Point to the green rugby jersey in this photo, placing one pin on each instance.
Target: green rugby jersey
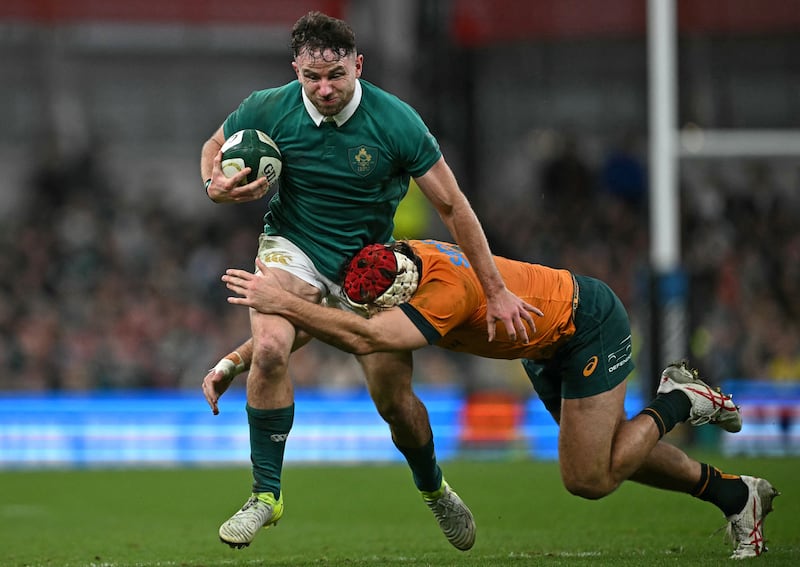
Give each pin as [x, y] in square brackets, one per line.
[339, 186]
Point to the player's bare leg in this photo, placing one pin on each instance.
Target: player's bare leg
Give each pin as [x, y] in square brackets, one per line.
[389, 382]
[598, 452]
[669, 468]
[598, 447]
[388, 378]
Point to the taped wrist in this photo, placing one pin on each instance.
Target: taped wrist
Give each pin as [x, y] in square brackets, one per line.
[231, 366]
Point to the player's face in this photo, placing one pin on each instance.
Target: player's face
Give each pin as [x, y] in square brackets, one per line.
[328, 79]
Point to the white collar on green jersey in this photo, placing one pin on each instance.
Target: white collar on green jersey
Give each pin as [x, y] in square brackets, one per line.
[340, 118]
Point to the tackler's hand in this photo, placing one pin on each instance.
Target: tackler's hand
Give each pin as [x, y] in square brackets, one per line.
[262, 291]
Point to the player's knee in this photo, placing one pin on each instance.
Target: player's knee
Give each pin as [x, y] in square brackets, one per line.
[591, 487]
[398, 408]
[389, 410]
[270, 359]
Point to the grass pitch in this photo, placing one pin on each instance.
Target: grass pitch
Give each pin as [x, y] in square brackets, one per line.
[371, 516]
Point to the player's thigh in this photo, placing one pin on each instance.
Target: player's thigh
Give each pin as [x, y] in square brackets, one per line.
[274, 337]
[587, 430]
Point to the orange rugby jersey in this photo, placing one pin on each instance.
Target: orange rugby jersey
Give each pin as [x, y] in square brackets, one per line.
[449, 307]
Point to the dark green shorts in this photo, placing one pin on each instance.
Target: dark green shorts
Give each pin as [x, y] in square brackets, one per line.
[597, 357]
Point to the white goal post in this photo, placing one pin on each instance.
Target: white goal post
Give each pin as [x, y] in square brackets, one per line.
[668, 145]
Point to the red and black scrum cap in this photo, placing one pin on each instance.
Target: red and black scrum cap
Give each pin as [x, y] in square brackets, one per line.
[380, 275]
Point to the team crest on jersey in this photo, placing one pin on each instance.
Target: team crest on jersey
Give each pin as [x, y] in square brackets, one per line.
[363, 159]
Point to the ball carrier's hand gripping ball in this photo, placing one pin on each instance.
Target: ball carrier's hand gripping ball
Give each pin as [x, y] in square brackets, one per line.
[253, 149]
[382, 275]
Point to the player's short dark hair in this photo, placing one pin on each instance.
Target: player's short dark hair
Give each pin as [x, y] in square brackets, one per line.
[318, 32]
[404, 247]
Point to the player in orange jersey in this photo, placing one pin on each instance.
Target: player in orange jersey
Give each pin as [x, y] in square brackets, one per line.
[425, 293]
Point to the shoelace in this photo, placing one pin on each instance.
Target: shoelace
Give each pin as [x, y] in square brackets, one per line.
[250, 503]
[444, 508]
[731, 534]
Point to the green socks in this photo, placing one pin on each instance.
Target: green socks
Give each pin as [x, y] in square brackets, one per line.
[669, 409]
[424, 468]
[268, 432]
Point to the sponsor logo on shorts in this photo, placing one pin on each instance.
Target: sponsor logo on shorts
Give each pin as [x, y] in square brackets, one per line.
[621, 356]
[278, 437]
[276, 258]
[589, 369]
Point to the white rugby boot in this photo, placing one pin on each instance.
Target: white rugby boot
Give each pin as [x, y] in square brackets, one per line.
[708, 405]
[746, 529]
[453, 516]
[260, 511]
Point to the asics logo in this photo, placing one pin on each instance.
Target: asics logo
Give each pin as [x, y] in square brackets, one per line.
[590, 366]
[278, 437]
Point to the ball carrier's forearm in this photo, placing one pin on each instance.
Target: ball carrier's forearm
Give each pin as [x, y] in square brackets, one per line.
[208, 153]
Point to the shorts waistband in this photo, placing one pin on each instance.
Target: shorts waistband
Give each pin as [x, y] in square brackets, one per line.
[575, 294]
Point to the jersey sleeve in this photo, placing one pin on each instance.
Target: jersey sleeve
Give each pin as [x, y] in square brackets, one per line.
[242, 117]
[438, 307]
[425, 149]
[414, 145]
[262, 110]
[426, 155]
[428, 331]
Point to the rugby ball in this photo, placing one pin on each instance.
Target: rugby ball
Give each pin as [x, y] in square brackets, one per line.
[254, 149]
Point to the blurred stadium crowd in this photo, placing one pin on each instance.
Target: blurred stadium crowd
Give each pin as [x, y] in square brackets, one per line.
[740, 248]
[109, 275]
[103, 290]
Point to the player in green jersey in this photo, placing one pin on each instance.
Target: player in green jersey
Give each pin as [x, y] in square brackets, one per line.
[349, 151]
